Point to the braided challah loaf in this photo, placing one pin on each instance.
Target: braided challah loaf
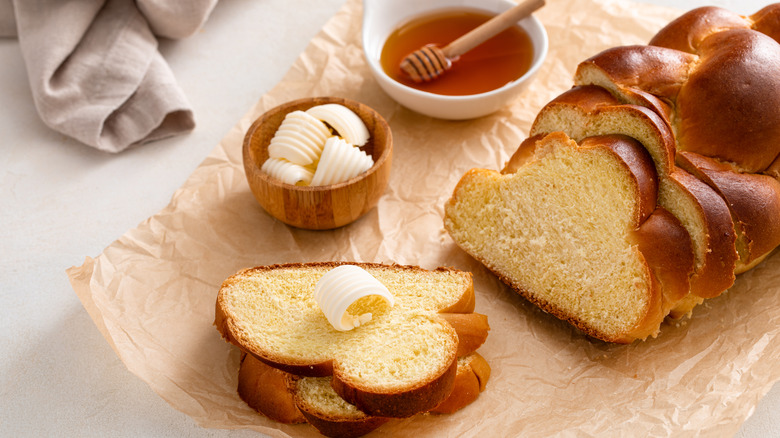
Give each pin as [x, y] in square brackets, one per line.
[703, 99]
[718, 73]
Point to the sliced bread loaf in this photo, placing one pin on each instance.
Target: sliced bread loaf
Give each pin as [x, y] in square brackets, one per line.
[586, 111]
[704, 100]
[564, 228]
[401, 362]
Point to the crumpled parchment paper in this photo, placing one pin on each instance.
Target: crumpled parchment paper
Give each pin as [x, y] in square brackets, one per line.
[152, 292]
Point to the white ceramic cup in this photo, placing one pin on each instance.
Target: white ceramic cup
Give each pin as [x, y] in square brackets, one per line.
[382, 17]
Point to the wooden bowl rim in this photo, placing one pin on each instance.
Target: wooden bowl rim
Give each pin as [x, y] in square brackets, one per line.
[286, 107]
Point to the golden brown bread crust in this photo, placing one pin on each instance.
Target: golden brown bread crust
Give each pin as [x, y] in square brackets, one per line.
[480, 367]
[655, 70]
[716, 273]
[264, 388]
[402, 404]
[343, 428]
[734, 55]
[729, 108]
[767, 21]
[472, 330]
[718, 72]
[466, 303]
[469, 382]
[523, 154]
[754, 201]
[686, 32]
[666, 246]
[272, 393]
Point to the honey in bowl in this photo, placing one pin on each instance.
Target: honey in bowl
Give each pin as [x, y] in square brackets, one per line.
[489, 66]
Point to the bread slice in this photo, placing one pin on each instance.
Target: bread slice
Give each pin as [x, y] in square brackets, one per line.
[292, 399]
[565, 229]
[400, 363]
[330, 414]
[754, 202]
[586, 111]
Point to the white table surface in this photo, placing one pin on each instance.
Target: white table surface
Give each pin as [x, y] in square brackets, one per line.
[61, 201]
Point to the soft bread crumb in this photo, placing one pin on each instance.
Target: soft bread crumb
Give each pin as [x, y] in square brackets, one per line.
[317, 394]
[273, 310]
[557, 229]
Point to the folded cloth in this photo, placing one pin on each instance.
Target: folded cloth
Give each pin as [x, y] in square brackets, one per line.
[94, 68]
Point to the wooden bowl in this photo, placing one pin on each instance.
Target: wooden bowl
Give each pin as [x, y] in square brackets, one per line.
[318, 207]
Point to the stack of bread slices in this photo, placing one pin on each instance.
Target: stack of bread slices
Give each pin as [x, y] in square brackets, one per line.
[416, 356]
[644, 189]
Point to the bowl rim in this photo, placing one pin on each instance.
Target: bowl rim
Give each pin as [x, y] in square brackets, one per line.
[254, 127]
[539, 58]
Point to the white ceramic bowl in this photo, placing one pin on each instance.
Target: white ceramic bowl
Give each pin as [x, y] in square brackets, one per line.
[381, 17]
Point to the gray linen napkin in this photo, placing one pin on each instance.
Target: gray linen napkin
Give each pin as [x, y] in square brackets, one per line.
[94, 69]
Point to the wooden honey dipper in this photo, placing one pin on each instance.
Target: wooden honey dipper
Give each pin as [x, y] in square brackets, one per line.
[430, 62]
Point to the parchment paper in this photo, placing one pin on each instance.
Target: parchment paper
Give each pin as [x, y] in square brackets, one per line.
[152, 292]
